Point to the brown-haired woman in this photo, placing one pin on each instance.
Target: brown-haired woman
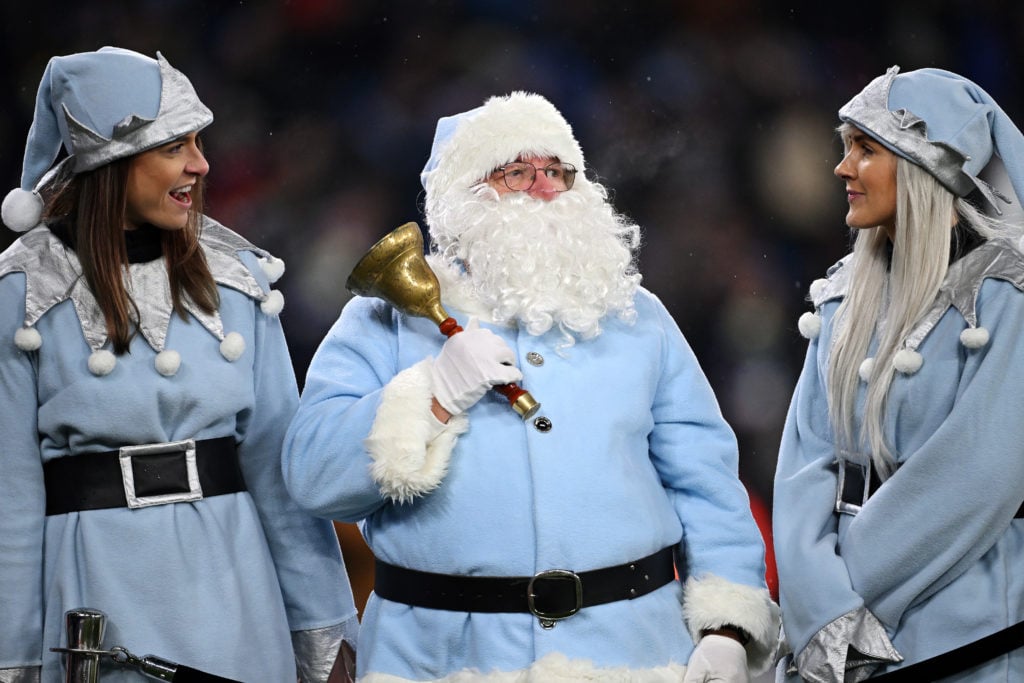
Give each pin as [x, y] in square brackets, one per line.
[147, 387]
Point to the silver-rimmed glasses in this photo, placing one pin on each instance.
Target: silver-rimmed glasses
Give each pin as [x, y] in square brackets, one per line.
[520, 175]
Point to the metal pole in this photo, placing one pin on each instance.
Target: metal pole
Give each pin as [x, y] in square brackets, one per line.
[84, 628]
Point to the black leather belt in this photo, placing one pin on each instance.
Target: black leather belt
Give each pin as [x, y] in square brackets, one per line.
[550, 595]
[852, 492]
[144, 475]
[962, 658]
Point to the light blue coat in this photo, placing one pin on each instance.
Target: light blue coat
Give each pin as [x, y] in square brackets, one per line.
[935, 555]
[218, 584]
[638, 458]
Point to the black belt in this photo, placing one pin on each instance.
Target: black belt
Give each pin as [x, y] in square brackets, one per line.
[962, 658]
[854, 493]
[141, 476]
[550, 595]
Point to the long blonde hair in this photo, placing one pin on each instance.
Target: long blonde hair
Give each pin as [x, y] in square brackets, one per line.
[887, 297]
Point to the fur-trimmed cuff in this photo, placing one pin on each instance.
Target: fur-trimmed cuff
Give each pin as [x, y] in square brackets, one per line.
[711, 601]
[409, 447]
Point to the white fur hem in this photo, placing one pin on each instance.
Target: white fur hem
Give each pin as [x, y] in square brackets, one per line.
[554, 668]
[711, 601]
[409, 447]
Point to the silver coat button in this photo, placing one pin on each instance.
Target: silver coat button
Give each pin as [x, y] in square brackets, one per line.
[534, 358]
[542, 424]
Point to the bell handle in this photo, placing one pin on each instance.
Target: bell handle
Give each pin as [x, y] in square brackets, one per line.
[520, 399]
[450, 327]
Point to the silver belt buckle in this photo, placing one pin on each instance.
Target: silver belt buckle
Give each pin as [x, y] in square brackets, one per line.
[187, 446]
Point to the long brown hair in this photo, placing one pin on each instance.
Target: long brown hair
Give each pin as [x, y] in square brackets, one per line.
[93, 205]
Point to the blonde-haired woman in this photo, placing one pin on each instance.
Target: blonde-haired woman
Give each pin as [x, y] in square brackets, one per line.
[900, 479]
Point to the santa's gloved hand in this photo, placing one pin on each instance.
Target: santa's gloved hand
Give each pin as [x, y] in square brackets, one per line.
[717, 659]
[470, 363]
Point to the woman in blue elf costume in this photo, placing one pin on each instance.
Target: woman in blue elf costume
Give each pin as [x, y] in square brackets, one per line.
[147, 387]
[897, 507]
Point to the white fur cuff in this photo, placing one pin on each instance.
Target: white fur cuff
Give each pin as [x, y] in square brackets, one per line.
[409, 447]
[711, 601]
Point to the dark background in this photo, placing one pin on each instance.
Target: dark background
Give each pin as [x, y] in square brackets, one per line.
[711, 122]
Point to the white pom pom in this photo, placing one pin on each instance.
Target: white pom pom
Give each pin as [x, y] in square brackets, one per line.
[167, 363]
[865, 369]
[817, 286]
[809, 325]
[272, 267]
[233, 346]
[102, 362]
[907, 361]
[21, 210]
[974, 337]
[274, 302]
[27, 339]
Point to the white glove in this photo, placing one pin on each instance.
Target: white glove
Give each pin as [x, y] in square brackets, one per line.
[717, 659]
[470, 363]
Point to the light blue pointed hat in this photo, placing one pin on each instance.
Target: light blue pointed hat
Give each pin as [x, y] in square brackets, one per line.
[944, 123]
[100, 106]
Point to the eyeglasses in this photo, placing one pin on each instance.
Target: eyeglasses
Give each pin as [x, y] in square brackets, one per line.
[520, 176]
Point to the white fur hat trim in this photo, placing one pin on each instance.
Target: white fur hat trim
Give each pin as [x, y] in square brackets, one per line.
[273, 304]
[974, 337]
[21, 209]
[865, 369]
[233, 346]
[167, 363]
[28, 339]
[272, 266]
[809, 325]
[470, 145]
[102, 362]
[907, 361]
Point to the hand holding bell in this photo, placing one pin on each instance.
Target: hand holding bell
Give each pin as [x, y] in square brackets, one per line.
[469, 364]
[394, 269]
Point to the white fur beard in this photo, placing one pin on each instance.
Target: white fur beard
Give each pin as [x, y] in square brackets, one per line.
[568, 262]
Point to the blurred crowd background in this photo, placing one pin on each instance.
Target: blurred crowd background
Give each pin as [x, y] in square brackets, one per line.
[712, 122]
